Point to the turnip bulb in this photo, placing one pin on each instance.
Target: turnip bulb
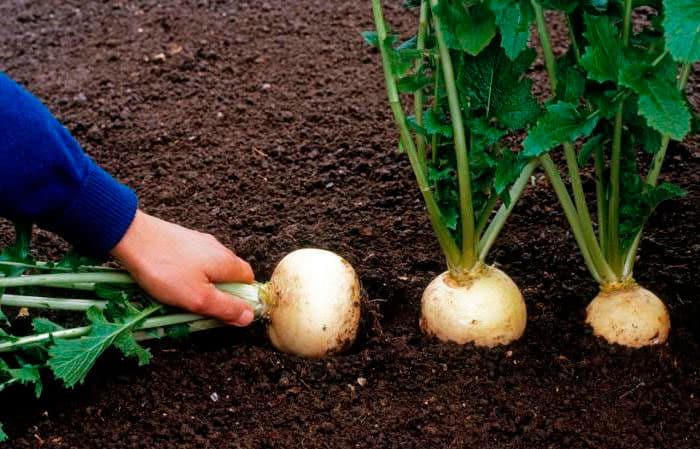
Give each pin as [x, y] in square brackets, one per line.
[485, 307]
[629, 315]
[312, 303]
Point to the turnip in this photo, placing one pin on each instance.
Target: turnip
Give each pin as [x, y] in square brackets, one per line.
[311, 305]
[470, 97]
[610, 92]
[486, 308]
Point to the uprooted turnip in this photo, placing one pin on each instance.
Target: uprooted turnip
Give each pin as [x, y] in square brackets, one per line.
[311, 308]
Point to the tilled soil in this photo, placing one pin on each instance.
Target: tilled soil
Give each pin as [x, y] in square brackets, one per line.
[265, 123]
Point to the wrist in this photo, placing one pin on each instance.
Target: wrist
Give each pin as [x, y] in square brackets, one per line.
[129, 248]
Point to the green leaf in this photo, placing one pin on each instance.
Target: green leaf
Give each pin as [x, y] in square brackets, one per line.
[561, 123]
[73, 260]
[660, 102]
[465, 28]
[371, 38]
[604, 51]
[495, 85]
[402, 58]
[560, 5]
[18, 252]
[639, 202]
[26, 374]
[72, 360]
[3, 435]
[433, 124]
[513, 18]
[508, 170]
[44, 325]
[587, 149]
[682, 29]
[571, 86]
[410, 4]
[128, 345]
[413, 83]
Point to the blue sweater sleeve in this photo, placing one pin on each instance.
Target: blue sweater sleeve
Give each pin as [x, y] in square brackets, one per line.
[46, 178]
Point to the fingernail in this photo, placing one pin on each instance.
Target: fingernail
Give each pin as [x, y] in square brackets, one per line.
[246, 318]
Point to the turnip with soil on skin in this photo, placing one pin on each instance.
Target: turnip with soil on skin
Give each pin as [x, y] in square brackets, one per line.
[470, 98]
[623, 91]
[311, 308]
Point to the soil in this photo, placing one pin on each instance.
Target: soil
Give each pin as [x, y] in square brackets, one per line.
[265, 123]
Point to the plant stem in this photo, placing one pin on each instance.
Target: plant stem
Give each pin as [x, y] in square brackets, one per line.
[195, 326]
[461, 152]
[584, 215]
[627, 22]
[436, 103]
[601, 200]
[249, 293]
[570, 212]
[572, 37]
[486, 214]
[447, 244]
[614, 196]
[546, 44]
[653, 177]
[489, 237]
[585, 225]
[418, 97]
[77, 332]
[40, 302]
[52, 267]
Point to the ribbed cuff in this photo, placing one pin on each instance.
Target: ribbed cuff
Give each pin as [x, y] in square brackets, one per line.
[99, 216]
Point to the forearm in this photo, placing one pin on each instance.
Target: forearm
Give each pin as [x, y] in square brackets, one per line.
[46, 178]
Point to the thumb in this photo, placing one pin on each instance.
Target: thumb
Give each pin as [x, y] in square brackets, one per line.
[227, 308]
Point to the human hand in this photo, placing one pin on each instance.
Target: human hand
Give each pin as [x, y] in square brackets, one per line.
[179, 267]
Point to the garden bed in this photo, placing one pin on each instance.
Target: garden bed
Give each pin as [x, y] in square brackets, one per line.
[266, 124]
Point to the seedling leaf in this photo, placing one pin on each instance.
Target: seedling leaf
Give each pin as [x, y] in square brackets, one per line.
[466, 28]
[561, 123]
[682, 29]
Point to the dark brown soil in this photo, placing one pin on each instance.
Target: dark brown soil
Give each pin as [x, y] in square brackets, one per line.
[265, 123]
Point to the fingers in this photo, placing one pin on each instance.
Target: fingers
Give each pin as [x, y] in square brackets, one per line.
[229, 268]
[224, 307]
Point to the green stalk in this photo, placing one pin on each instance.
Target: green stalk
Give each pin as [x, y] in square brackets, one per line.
[486, 214]
[40, 302]
[418, 97]
[489, 237]
[445, 240]
[436, 104]
[584, 214]
[653, 176]
[447, 244]
[546, 44]
[571, 214]
[77, 332]
[614, 197]
[584, 218]
[572, 37]
[463, 175]
[627, 23]
[249, 293]
[601, 200]
[46, 266]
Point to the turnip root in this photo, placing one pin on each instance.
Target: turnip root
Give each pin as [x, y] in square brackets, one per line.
[313, 303]
[485, 308]
[629, 315]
